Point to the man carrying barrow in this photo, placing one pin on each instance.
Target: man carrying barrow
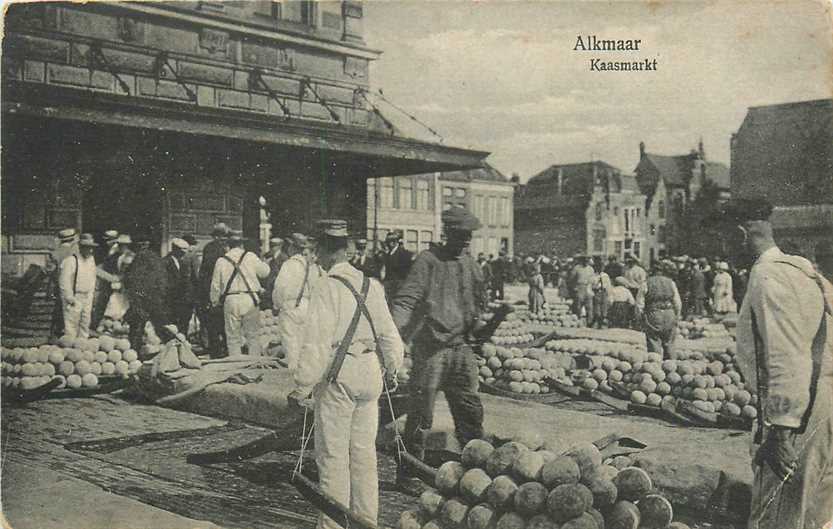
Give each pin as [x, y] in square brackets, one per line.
[444, 294]
[785, 350]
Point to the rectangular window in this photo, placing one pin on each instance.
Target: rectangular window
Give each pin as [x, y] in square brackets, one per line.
[447, 191]
[423, 195]
[411, 240]
[490, 211]
[627, 212]
[636, 248]
[617, 248]
[507, 215]
[661, 209]
[386, 195]
[406, 193]
[598, 241]
[661, 234]
[460, 192]
[425, 239]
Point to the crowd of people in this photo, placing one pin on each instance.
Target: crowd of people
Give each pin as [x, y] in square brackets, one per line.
[345, 334]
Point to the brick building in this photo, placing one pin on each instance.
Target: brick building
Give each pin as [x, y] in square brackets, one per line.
[671, 184]
[589, 207]
[784, 153]
[414, 204]
[159, 119]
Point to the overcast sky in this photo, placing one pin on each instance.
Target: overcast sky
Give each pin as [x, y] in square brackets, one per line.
[503, 77]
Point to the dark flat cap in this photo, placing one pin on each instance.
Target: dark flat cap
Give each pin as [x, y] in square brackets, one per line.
[747, 209]
[458, 218]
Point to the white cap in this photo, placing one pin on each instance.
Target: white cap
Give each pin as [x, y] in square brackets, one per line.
[180, 243]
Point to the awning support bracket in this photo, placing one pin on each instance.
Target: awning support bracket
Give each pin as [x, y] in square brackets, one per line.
[162, 61]
[97, 59]
[388, 124]
[257, 82]
[306, 84]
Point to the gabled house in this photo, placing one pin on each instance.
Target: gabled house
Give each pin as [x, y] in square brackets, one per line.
[670, 184]
[588, 207]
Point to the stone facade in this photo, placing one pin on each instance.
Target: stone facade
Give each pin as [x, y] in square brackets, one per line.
[414, 205]
[589, 208]
[197, 108]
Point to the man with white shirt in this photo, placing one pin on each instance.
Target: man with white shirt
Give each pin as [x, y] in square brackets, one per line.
[349, 347]
[179, 295]
[77, 283]
[291, 293]
[785, 351]
[236, 287]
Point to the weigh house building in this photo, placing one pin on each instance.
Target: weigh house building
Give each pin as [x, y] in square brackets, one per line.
[162, 118]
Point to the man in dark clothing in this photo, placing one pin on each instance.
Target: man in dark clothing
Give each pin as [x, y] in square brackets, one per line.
[178, 285]
[500, 272]
[145, 284]
[697, 291]
[445, 292]
[212, 321]
[614, 268]
[396, 262]
[275, 258]
[364, 260]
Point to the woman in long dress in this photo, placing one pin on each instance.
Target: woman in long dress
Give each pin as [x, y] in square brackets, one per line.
[723, 300]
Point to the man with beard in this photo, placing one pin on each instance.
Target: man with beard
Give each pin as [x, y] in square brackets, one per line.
[785, 350]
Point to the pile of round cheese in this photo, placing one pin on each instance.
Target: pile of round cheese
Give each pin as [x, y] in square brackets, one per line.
[269, 336]
[76, 362]
[515, 486]
[552, 315]
[512, 331]
[701, 328]
[522, 370]
[115, 328]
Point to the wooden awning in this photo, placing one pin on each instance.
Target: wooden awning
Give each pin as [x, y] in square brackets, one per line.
[370, 153]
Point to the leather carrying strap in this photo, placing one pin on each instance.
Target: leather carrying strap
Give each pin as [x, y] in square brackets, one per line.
[234, 275]
[341, 351]
[303, 285]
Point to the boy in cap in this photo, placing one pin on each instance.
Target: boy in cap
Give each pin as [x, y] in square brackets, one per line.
[785, 351]
[77, 282]
[446, 294]
[212, 321]
[347, 309]
[236, 288]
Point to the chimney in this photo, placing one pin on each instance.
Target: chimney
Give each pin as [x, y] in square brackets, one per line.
[641, 150]
[700, 149]
[516, 179]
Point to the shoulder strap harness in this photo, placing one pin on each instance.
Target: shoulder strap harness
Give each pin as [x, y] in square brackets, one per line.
[234, 275]
[361, 309]
[303, 285]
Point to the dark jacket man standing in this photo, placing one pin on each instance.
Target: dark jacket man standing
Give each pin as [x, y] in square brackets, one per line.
[212, 321]
[446, 294]
[179, 285]
[396, 262]
[145, 284]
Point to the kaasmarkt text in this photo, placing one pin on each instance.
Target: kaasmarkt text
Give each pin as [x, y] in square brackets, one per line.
[645, 65]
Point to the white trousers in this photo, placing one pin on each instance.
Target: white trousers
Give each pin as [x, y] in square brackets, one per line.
[346, 422]
[242, 321]
[291, 322]
[77, 316]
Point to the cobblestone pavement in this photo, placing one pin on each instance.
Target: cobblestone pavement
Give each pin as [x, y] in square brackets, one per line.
[106, 463]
